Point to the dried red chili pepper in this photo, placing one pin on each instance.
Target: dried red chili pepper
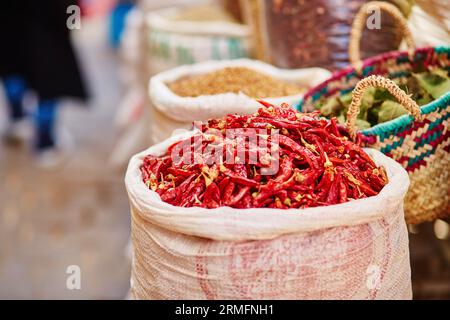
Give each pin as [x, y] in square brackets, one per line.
[237, 178]
[307, 155]
[211, 197]
[236, 198]
[333, 192]
[179, 172]
[318, 164]
[222, 185]
[227, 192]
[193, 197]
[246, 202]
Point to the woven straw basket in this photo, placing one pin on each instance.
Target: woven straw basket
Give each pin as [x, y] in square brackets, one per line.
[419, 141]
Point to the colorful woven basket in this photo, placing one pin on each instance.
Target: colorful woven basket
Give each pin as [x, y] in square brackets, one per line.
[419, 141]
[421, 146]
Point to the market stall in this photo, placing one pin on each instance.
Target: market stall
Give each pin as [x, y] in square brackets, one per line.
[281, 180]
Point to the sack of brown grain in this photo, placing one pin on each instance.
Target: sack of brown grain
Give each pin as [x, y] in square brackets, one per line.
[354, 250]
[216, 88]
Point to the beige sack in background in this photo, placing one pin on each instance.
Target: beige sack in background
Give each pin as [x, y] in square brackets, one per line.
[355, 250]
[174, 42]
[427, 30]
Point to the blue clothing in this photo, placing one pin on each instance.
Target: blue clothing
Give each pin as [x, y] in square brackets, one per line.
[45, 124]
[117, 22]
[44, 117]
[15, 89]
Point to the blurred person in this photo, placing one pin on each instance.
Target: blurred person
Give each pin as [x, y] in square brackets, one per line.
[36, 55]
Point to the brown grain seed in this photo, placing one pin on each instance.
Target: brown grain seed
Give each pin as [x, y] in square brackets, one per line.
[234, 79]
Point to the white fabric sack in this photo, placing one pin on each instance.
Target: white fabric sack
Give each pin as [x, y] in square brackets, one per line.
[439, 10]
[173, 42]
[427, 30]
[131, 42]
[172, 111]
[354, 250]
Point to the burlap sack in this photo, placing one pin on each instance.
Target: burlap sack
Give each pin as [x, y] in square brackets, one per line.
[171, 111]
[355, 250]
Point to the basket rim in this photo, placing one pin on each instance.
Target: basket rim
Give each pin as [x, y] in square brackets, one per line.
[401, 121]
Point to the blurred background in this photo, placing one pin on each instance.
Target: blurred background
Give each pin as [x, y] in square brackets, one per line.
[74, 108]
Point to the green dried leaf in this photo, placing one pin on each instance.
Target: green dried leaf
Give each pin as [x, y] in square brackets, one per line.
[362, 124]
[330, 108]
[425, 99]
[346, 99]
[435, 83]
[378, 105]
[390, 110]
[372, 116]
[366, 103]
[381, 95]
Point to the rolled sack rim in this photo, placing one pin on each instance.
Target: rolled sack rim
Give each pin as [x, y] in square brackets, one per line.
[226, 223]
[204, 107]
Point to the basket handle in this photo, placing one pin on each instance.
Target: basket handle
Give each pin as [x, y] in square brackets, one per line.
[380, 82]
[359, 24]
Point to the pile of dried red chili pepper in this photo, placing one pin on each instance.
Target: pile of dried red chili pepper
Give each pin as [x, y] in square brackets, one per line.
[318, 164]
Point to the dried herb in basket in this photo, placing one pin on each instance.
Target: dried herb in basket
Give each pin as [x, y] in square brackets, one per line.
[379, 106]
